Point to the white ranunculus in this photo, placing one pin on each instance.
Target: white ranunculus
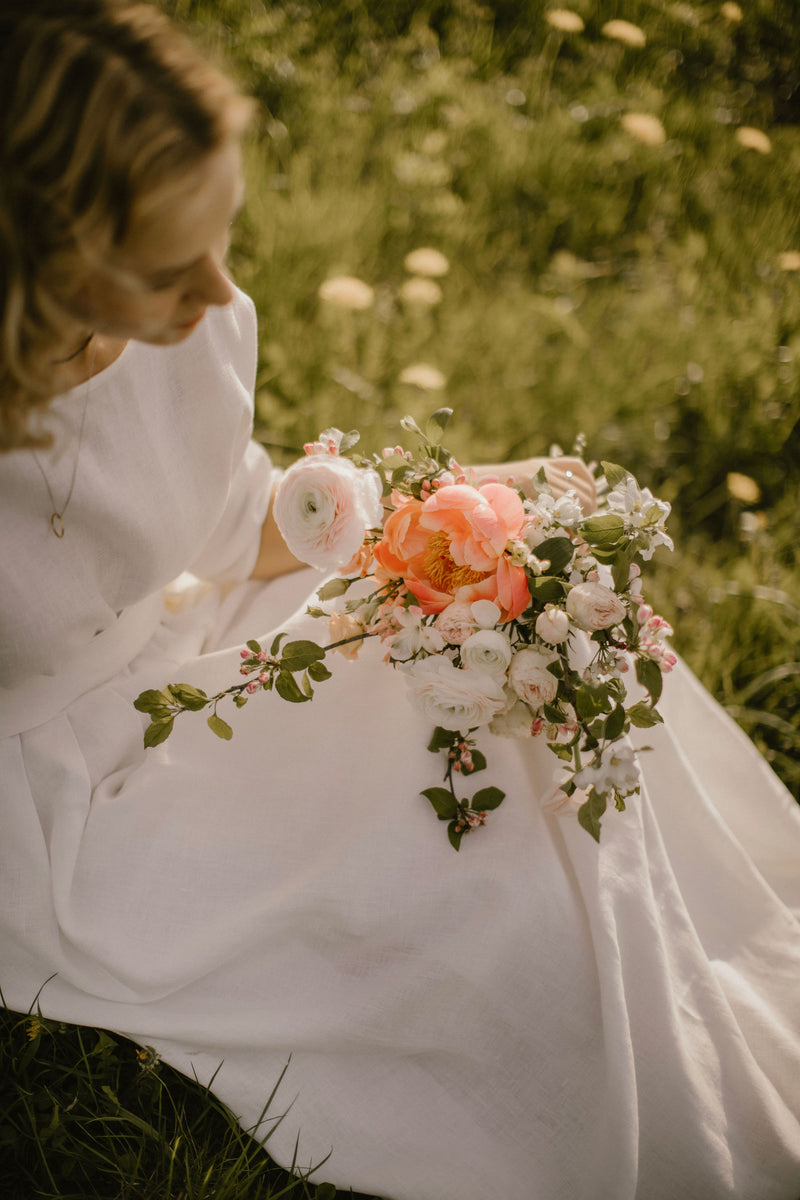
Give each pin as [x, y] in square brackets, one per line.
[455, 699]
[486, 613]
[552, 625]
[487, 650]
[324, 505]
[530, 678]
[594, 606]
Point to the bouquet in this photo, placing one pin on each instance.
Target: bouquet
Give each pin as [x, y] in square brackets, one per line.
[505, 609]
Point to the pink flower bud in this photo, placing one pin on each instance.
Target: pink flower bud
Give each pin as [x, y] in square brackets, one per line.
[263, 677]
[244, 654]
[244, 670]
[262, 656]
[252, 686]
[643, 614]
[537, 725]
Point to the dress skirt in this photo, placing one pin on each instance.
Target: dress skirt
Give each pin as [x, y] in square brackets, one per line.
[535, 1017]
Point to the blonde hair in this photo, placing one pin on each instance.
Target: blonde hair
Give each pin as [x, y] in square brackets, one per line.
[102, 102]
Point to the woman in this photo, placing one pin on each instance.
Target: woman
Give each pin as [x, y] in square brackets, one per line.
[534, 1017]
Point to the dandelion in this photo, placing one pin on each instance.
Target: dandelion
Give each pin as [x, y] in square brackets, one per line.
[345, 291]
[731, 12]
[625, 31]
[564, 20]
[743, 488]
[424, 376]
[753, 139]
[426, 261]
[645, 128]
[417, 290]
[789, 260]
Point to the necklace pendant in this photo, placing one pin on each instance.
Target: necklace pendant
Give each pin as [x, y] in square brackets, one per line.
[57, 525]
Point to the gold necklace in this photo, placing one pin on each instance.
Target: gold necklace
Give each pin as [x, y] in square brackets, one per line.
[57, 515]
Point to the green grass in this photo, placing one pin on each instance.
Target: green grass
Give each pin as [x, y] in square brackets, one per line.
[89, 1114]
[637, 293]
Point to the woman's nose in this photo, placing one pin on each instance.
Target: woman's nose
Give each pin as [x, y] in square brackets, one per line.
[210, 284]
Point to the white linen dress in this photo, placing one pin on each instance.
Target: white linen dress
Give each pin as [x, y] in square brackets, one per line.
[533, 1018]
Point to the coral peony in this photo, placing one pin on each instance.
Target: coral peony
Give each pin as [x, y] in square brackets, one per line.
[452, 547]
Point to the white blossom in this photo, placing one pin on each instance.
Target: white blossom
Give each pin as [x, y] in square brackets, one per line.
[617, 770]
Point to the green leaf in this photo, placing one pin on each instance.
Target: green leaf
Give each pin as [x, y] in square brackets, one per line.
[603, 532]
[478, 762]
[487, 798]
[276, 643]
[589, 703]
[299, 655]
[240, 701]
[349, 440]
[591, 811]
[254, 646]
[454, 835]
[437, 423]
[615, 723]
[288, 689]
[443, 801]
[621, 569]
[158, 732]
[544, 589]
[221, 728]
[305, 684]
[442, 739]
[644, 716]
[151, 699]
[333, 588]
[319, 672]
[559, 550]
[189, 697]
[649, 677]
[614, 473]
[562, 752]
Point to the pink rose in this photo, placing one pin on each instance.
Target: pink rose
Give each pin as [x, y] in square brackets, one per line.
[552, 625]
[456, 623]
[594, 606]
[530, 678]
[324, 506]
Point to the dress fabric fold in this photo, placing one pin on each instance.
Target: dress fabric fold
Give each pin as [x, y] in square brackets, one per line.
[534, 1018]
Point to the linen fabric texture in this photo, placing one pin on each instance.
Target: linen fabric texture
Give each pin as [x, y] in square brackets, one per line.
[534, 1018]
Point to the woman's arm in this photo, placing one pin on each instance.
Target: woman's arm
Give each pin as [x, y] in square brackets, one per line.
[274, 556]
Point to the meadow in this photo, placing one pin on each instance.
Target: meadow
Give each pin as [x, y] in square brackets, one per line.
[607, 198]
